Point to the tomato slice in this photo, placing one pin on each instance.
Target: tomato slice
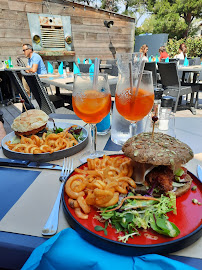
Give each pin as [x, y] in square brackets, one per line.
[184, 174]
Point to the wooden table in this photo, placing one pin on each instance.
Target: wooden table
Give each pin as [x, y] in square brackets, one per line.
[26, 204]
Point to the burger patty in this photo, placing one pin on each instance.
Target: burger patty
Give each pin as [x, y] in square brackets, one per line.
[31, 132]
[160, 177]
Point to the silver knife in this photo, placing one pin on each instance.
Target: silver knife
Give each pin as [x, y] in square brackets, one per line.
[199, 171]
[28, 164]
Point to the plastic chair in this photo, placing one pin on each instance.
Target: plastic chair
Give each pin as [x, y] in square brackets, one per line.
[19, 88]
[172, 84]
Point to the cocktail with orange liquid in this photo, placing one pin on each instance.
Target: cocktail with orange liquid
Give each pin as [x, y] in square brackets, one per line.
[91, 102]
[92, 107]
[132, 103]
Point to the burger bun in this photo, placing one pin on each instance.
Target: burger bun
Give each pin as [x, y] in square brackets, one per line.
[30, 122]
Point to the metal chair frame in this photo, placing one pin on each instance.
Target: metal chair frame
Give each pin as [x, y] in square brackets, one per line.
[19, 88]
[173, 86]
[39, 92]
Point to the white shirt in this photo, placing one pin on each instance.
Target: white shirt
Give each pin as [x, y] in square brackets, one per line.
[180, 56]
[145, 58]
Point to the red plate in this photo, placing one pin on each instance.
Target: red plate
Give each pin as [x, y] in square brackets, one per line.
[188, 220]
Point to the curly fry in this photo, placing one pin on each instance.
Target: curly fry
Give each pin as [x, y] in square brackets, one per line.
[80, 214]
[47, 144]
[82, 203]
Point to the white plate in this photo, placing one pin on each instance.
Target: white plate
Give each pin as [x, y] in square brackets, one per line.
[44, 157]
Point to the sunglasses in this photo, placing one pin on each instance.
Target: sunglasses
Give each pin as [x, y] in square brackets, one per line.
[25, 49]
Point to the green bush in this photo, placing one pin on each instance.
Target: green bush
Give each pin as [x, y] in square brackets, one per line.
[194, 46]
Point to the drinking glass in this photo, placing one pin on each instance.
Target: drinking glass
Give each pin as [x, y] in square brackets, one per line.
[134, 97]
[91, 100]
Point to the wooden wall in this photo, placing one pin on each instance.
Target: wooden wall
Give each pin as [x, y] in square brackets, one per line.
[90, 37]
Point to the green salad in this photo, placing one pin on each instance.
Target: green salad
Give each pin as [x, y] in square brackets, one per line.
[136, 213]
[76, 131]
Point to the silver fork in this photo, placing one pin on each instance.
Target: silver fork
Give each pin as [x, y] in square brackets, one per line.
[51, 225]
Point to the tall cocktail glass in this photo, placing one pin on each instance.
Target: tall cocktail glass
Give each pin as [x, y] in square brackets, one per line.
[134, 97]
[91, 102]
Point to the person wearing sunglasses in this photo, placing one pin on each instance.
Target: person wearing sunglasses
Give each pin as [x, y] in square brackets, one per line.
[35, 62]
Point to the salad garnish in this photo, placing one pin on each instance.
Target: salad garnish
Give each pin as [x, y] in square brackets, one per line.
[141, 212]
[76, 131]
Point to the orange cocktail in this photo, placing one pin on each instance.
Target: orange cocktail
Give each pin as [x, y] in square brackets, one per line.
[92, 106]
[134, 108]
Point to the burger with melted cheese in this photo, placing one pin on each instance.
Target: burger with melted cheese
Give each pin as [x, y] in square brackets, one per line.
[30, 122]
[157, 163]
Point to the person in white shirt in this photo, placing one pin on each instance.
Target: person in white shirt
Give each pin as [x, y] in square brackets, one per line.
[182, 52]
[144, 50]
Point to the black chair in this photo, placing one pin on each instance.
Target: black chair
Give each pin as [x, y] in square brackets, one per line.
[173, 86]
[84, 68]
[20, 62]
[151, 66]
[46, 102]
[173, 60]
[1, 96]
[113, 71]
[19, 88]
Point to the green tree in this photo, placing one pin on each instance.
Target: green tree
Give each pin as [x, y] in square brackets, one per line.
[147, 26]
[193, 44]
[110, 5]
[174, 17]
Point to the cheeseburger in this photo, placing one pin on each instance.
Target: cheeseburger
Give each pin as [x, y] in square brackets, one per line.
[30, 122]
[157, 163]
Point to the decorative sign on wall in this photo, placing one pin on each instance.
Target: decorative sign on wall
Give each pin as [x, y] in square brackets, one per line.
[50, 32]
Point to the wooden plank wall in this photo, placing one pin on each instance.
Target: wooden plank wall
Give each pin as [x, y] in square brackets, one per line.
[90, 37]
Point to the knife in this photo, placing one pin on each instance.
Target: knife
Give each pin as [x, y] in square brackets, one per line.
[199, 171]
[28, 164]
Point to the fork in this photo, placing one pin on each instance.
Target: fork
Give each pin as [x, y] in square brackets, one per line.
[51, 225]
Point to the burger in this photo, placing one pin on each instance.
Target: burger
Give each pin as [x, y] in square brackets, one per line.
[30, 122]
[157, 163]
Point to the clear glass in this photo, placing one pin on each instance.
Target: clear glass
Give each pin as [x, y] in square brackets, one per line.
[123, 60]
[133, 102]
[91, 100]
[120, 127]
[166, 124]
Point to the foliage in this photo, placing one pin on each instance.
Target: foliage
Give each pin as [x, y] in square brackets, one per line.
[174, 16]
[146, 27]
[105, 4]
[194, 46]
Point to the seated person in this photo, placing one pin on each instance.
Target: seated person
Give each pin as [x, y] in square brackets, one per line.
[144, 50]
[35, 62]
[163, 53]
[182, 52]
